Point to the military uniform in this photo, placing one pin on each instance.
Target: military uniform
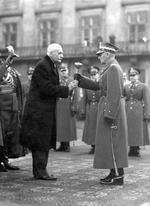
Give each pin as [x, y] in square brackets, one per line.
[66, 121]
[10, 111]
[111, 133]
[138, 115]
[90, 107]
[10, 114]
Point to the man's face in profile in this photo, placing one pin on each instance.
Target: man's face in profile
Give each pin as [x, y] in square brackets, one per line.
[57, 55]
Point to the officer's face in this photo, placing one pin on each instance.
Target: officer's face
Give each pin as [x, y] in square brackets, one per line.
[103, 57]
[64, 73]
[94, 74]
[134, 78]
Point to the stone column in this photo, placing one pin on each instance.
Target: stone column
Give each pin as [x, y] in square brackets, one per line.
[28, 23]
[68, 21]
[114, 20]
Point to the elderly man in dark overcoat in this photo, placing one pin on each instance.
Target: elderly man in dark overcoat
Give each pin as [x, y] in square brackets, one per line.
[111, 133]
[39, 121]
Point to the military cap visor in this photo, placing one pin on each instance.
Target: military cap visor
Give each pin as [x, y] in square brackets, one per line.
[134, 72]
[63, 69]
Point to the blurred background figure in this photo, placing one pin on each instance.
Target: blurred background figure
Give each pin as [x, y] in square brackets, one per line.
[25, 91]
[125, 78]
[66, 111]
[26, 85]
[138, 112]
[90, 106]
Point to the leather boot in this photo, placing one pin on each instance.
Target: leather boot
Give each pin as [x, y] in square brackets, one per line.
[7, 165]
[131, 151]
[61, 147]
[92, 149]
[10, 166]
[109, 176]
[66, 147]
[113, 179]
[2, 168]
[137, 151]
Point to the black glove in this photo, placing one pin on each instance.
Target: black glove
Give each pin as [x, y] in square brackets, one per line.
[77, 76]
[109, 120]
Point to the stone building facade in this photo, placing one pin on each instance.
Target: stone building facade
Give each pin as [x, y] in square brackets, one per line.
[79, 25]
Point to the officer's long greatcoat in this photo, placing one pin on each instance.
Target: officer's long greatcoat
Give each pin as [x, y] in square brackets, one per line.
[138, 113]
[39, 121]
[66, 109]
[111, 105]
[90, 107]
[11, 104]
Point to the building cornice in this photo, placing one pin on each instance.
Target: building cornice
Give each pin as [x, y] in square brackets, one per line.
[134, 2]
[85, 7]
[10, 14]
[53, 10]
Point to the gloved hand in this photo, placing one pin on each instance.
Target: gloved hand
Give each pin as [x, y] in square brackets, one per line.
[77, 76]
[109, 120]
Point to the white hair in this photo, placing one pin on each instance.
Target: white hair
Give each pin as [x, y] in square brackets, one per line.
[53, 47]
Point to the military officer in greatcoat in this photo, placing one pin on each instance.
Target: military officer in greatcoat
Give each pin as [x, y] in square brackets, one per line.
[111, 133]
[138, 112]
[89, 109]
[10, 113]
[66, 108]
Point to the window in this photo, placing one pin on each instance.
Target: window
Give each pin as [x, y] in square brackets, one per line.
[90, 29]
[10, 34]
[47, 32]
[137, 26]
[10, 4]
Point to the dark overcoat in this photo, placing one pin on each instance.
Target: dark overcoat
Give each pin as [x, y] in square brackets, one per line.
[138, 113]
[111, 105]
[39, 121]
[90, 107]
[66, 120]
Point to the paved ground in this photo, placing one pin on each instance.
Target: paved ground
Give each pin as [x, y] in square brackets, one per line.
[78, 183]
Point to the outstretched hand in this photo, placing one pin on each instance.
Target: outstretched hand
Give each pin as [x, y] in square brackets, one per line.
[77, 76]
[72, 85]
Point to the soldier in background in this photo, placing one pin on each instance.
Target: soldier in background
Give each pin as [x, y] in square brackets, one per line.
[66, 111]
[10, 114]
[26, 85]
[138, 112]
[90, 108]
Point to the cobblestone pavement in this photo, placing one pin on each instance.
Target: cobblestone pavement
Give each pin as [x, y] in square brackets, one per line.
[77, 184]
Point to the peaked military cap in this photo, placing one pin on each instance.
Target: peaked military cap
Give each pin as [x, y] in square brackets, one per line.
[107, 47]
[134, 71]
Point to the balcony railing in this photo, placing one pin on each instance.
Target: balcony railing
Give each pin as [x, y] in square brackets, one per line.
[78, 50]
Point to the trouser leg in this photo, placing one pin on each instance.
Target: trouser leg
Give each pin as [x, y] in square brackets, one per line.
[40, 160]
